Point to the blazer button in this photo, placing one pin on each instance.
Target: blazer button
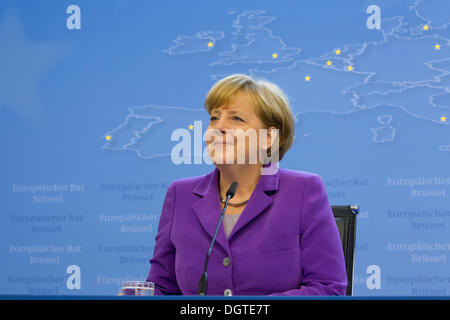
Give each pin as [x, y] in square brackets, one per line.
[226, 261]
[227, 292]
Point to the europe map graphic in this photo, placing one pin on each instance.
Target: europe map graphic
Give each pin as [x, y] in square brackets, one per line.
[407, 69]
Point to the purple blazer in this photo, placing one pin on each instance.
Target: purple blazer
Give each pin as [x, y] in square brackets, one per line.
[285, 242]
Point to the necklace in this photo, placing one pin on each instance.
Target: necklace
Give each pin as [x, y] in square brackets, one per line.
[240, 204]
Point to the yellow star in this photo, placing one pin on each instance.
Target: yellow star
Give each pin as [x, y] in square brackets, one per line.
[337, 51]
[437, 46]
[329, 63]
[307, 78]
[274, 55]
[443, 119]
[210, 44]
[191, 127]
[350, 68]
[426, 27]
[108, 137]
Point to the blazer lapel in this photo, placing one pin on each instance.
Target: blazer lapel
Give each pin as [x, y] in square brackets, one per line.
[207, 208]
[258, 202]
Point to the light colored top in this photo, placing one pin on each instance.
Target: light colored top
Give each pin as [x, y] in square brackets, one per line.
[229, 220]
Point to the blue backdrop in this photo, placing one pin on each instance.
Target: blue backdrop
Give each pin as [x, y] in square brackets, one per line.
[91, 91]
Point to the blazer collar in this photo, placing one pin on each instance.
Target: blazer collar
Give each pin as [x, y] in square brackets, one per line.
[210, 181]
[207, 207]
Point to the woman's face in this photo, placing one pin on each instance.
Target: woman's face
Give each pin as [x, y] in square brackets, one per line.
[234, 133]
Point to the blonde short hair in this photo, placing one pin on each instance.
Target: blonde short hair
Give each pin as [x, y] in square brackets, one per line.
[271, 104]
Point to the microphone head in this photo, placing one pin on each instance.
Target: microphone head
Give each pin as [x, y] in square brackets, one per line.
[232, 190]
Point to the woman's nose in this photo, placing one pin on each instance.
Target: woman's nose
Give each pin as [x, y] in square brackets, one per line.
[221, 125]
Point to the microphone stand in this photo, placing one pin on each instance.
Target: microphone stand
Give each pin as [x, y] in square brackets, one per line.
[203, 284]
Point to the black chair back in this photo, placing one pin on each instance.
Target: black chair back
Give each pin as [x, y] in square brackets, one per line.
[345, 217]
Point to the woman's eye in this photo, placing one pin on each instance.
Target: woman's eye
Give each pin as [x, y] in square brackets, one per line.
[237, 118]
[213, 118]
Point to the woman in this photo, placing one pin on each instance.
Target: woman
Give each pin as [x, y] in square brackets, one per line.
[278, 236]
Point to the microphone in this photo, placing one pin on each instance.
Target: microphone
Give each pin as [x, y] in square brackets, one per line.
[203, 284]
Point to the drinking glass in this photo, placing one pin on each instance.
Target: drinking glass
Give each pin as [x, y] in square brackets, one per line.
[138, 288]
